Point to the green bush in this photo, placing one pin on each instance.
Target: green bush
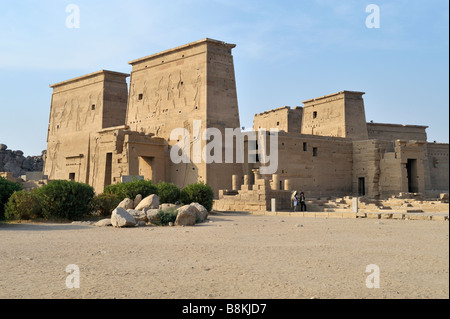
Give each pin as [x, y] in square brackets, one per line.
[67, 200]
[104, 204]
[7, 188]
[167, 216]
[168, 193]
[131, 189]
[198, 192]
[22, 205]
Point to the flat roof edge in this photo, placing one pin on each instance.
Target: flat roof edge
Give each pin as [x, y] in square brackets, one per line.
[191, 44]
[86, 76]
[333, 94]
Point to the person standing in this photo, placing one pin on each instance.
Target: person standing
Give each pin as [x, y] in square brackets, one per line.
[302, 201]
[295, 202]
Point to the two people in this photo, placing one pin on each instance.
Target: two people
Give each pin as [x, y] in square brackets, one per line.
[299, 200]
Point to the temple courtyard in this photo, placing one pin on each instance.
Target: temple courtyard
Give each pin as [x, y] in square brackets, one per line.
[231, 255]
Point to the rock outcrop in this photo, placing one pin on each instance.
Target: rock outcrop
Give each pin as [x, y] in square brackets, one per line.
[16, 163]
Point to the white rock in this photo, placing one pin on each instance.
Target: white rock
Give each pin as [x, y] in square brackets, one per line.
[166, 206]
[121, 218]
[137, 200]
[126, 204]
[202, 211]
[152, 216]
[186, 215]
[138, 215]
[149, 202]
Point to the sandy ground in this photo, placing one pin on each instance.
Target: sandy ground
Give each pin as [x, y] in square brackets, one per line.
[232, 256]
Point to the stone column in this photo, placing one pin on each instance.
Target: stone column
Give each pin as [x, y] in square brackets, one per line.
[287, 185]
[275, 182]
[235, 182]
[256, 173]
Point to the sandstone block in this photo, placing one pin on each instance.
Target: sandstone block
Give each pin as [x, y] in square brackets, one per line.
[121, 218]
[138, 215]
[202, 211]
[152, 216]
[149, 202]
[166, 206]
[137, 200]
[126, 204]
[186, 216]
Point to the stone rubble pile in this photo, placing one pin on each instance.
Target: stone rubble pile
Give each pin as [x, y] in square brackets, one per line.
[143, 211]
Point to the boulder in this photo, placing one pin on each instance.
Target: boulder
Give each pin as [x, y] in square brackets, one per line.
[444, 197]
[149, 202]
[202, 211]
[3, 147]
[166, 206]
[187, 215]
[126, 204]
[138, 215]
[121, 218]
[137, 200]
[152, 216]
[104, 222]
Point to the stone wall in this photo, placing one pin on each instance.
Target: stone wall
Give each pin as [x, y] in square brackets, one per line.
[283, 118]
[172, 89]
[438, 166]
[340, 114]
[392, 132]
[81, 107]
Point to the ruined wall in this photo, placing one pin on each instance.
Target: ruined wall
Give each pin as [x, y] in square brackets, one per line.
[339, 115]
[384, 167]
[117, 152]
[392, 132]
[395, 177]
[171, 89]
[438, 166]
[79, 108]
[367, 157]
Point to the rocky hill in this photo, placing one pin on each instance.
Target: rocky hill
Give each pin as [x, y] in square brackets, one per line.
[15, 162]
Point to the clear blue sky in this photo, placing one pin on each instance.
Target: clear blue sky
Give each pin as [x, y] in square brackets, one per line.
[287, 52]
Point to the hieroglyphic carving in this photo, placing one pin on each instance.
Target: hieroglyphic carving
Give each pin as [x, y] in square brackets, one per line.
[197, 85]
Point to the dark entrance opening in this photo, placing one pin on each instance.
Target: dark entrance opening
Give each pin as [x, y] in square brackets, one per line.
[411, 172]
[361, 186]
[108, 169]
[72, 177]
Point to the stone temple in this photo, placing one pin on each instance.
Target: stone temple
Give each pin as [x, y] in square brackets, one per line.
[101, 132]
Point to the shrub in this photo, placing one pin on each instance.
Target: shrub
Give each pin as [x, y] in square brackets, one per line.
[198, 192]
[167, 216]
[168, 193]
[65, 199]
[7, 188]
[104, 204]
[22, 205]
[131, 189]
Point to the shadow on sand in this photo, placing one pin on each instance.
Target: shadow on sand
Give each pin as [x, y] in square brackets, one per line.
[40, 226]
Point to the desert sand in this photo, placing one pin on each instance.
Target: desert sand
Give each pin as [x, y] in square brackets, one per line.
[235, 256]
